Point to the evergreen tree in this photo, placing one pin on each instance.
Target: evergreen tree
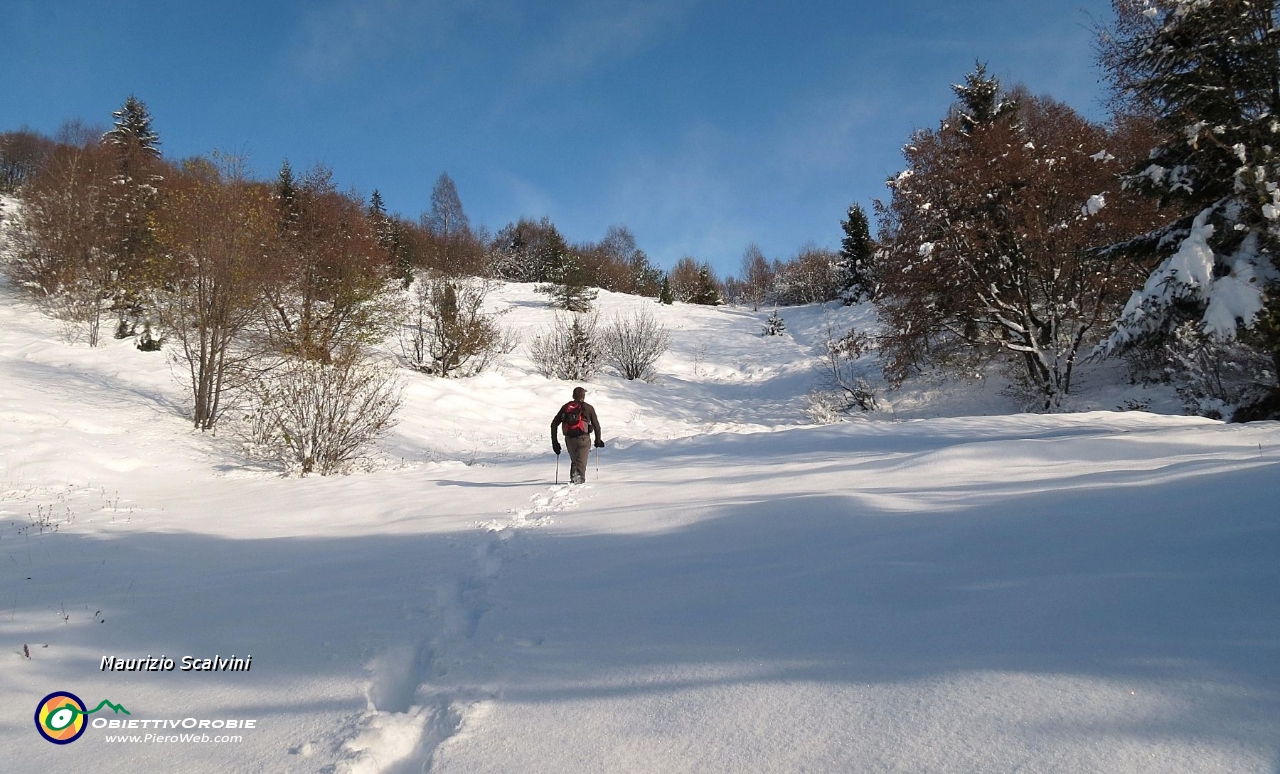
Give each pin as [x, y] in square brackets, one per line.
[567, 280]
[981, 100]
[134, 200]
[854, 267]
[583, 355]
[665, 296]
[377, 210]
[391, 239]
[133, 128]
[774, 326]
[707, 290]
[286, 198]
[1207, 71]
[647, 278]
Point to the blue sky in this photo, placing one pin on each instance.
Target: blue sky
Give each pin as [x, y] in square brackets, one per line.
[703, 125]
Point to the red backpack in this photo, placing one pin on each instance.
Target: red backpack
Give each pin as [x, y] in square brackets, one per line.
[575, 420]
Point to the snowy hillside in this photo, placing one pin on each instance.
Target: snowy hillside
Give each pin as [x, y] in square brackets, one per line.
[944, 586]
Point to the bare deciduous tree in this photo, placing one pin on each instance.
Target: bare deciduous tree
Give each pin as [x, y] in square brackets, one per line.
[810, 277]
[633, 344]
[757, 277]
[23, 155]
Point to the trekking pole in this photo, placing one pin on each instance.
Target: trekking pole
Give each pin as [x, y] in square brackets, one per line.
[557, 468]
[597, 463]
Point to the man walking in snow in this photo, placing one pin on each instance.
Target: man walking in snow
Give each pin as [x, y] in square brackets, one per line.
[578, 418]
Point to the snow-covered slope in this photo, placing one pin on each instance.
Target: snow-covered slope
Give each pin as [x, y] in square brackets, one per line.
[734, 590]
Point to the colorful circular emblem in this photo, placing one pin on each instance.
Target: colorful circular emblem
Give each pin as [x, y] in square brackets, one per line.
[60, 717]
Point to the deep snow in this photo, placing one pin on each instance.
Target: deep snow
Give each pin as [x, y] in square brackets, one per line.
[945, 586]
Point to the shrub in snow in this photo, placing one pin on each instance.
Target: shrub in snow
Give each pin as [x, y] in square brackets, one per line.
[824, 407]
[633, 344]
[319, 417]
[445, 331]
[571, 350]
[80, 305]
[774, 326]
[842, 374]
[147, 340]
[1216, 376]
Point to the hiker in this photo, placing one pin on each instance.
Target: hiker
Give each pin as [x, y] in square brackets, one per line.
[578, 418]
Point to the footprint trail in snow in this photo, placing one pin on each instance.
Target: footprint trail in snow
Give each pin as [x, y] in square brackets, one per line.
[413, 706]
[544, 505]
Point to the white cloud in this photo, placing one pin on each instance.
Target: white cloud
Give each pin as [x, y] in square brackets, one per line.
[597, 33]
[338, 37]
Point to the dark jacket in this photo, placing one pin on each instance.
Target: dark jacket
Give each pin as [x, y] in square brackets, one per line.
[588, 412]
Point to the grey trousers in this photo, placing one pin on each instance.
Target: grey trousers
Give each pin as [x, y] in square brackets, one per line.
[579, 448]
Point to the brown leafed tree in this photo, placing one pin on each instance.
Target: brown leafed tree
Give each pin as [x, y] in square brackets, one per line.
[988, 242]
[217, 230]
[810, 277]
[695, 282]
[329, 283]
[63, 236]
[685, 278]
[23, 154]
[616, 263]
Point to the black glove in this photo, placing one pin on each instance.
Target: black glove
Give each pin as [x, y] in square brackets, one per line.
[599, 444]
[555, 446]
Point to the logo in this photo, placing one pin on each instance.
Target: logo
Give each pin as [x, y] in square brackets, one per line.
[60, 716]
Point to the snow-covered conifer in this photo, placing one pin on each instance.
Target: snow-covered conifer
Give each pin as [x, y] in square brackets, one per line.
[775, 326]
[853, 268]
[133, 129]
[707, 289]
[1206, 69]
[982, 100]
